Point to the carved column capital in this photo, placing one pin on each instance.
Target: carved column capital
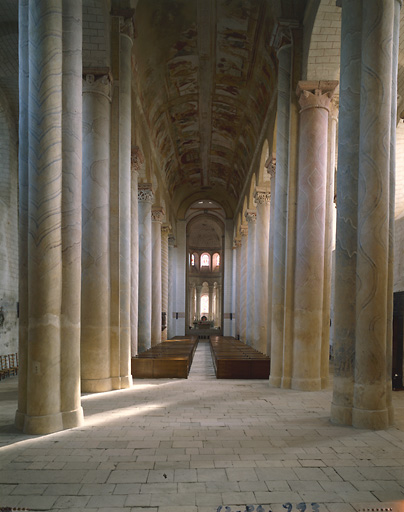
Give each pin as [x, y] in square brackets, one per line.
[127, 28]
[236, 243]
[281, 34]
[171, 240]
[145, 192]
[157, 214]
[98, 84]
[270, 165]
[262, 195]
[166, 230]
[250, 215]
[316, 94]
[243, 230]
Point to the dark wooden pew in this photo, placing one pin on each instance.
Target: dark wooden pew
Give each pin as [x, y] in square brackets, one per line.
[233, 359]
[169, 359]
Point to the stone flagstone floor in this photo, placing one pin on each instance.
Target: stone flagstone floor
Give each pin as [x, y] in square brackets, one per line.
[201, 445]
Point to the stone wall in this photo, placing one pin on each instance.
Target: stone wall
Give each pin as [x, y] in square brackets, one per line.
[96, 47]
[325, 45]
[8, 230]
[399, 212]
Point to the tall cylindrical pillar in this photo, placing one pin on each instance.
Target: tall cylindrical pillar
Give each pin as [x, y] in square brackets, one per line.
[344, 324]
[251, 218]
[198, 301]
[125, 184]
[95, 296]
[157, 216]
[165, 231]
[236, 286]
[280, 226]
[50, 217]
[370, 408]
[172, 296]
[71, 213]
[145, 196]
[314, 99]
[243, 282]
[136, 159]
[262, 199]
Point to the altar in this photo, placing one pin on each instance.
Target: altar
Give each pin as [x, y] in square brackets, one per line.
[203, 324]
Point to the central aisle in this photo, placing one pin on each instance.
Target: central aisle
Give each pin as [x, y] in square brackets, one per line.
[202, 365]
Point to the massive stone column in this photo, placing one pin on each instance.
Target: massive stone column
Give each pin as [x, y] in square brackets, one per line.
[314, 98]
[251, 218]
[136, 162]
[347, 215]
[262, 198]
[192, 313]
[157, 216]
[95, 308]
[236, 285]
[50, 216]
[328, 243]
[198, 301]
[243, 282]
[370, 406]
[211, 315]
[280, 217]
[165, 231]
[145, 195]
[362, 338]
[172, 296]
[125, 184]
[271, 169]
[72, 414]
[120, 204]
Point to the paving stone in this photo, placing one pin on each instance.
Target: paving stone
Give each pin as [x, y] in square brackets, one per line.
[214, 441]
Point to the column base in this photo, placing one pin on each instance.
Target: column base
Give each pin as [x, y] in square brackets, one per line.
[341, 415]
[72, 419]
[37, 425]
[371, 420]
[306, 384]
[96, 385]
[286, 383]
[126, 382]
[19, 420]
[275, 382]
[122, 382]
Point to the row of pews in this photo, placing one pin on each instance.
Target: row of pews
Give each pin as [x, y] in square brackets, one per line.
[233, 359]
[171, 359]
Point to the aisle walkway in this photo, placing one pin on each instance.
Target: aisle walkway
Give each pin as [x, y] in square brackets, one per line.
[198, 444]
[202, 366]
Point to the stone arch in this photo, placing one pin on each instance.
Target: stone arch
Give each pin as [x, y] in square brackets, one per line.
[323, 60]
[263, 177]
[253, 184]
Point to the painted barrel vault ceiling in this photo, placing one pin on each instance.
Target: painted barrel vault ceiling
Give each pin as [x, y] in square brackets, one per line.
[205, 75]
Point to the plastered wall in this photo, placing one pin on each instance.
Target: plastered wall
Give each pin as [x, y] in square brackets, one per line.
[8, 231]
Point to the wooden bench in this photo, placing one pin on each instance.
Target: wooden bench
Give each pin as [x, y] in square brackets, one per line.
[8, 365]
[233, 359]
[171, 359]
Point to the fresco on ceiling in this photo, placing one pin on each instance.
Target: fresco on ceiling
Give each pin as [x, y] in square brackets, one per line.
[167, 66]
[183, 74]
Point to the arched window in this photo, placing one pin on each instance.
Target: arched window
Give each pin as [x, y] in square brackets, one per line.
[205, 304]
[192, 260]
[216, 262]
[205, 260]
